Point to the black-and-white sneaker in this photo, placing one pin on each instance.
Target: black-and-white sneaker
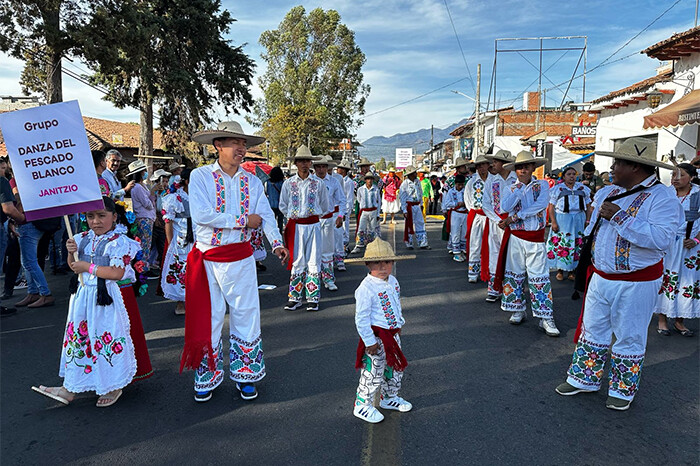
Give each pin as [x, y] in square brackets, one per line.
[292, 306]
[247, 390]
[201, 397]
[312, 307]
[396, 403]
[20, 285]
[492, 298]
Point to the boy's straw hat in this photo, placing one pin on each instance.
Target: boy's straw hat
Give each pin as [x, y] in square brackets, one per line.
[378, 250]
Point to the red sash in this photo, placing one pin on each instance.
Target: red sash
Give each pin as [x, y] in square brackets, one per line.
[536, 236]
[448, 217]
[484, 275]
[394, 356]
[198, 302]
[290, 232]
[646, 274]
[359, 215]
[330, 214]
[408, 221]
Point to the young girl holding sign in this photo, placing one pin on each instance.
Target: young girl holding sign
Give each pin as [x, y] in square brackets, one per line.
[98, 351]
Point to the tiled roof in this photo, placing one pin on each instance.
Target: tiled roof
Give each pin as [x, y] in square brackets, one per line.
[676, 46]
[104, 134]
[637, 87]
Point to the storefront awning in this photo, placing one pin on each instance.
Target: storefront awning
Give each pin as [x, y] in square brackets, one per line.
[685, 111]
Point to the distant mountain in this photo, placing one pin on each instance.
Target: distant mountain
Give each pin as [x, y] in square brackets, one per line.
[377, 147]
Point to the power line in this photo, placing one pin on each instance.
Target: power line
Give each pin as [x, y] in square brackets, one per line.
[460, 45]
[414, 98]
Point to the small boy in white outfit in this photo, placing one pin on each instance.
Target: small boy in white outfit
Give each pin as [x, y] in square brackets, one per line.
[378, 319]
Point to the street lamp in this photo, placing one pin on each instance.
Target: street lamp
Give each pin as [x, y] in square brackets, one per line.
[654, 98]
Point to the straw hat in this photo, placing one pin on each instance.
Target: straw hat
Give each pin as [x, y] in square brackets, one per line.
[524, 157]
[324, 160]
[364, 162]
[502, 155]
[409, 170]
[481, 158]
[423, 170]
[136, 166]
[158, 173]
[227, 129]
[175, 166]
[378, 250]
[460, 162]
[639, 150]
[303, 153]
[392, 170]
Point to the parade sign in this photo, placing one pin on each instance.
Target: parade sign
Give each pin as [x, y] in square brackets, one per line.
[51, 160]
[404, 157]
[583, 131]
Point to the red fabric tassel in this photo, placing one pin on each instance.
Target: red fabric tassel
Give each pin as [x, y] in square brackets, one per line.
[198, 302]
[290, 232]
[408, 221]
[394, 356]
[646, 274]
[485, 273]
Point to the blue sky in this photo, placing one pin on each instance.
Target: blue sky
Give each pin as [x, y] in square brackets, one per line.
[411, 49]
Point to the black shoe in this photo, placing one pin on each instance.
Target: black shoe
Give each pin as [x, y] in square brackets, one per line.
[201, 397]
[260, 267]
[7, 311]
[313, 307]
[247, 390]
[292, 306]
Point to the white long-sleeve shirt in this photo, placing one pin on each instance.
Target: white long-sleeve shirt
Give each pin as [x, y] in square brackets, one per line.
[220, 205]
[336, 194]
[368, 198]
[304, 198]
[451, 198]
[529, 202]
[378, 303]
[640, 233]
[493, 193]
[115, 187]
[410, 191]
[474, 191]
[349, 187]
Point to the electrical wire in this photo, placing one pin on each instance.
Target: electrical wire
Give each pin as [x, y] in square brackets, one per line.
[460, 46]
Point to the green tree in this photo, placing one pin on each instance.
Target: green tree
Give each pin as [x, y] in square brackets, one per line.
[168, 53]
[313, 85]
[381, 165]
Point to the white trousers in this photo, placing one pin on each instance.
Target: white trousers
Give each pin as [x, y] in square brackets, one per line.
[619, 308]
[338, 233]
[306, 268]
[475, 236]
[233, 286]
[367, 229]
[418, 227]
[458, 233]
[495, 239]
[527, 259]
[327, 249]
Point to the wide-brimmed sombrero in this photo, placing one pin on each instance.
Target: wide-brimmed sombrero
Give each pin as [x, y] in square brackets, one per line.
[136, 166]
[460, 162]
[378, 250]
[324, 160]
[525, 157]
[409, 170]
[640, 150]
[303, 153]
[227, 129]
[345, 164]
[364, 162]
[481, 158]
[502, 155]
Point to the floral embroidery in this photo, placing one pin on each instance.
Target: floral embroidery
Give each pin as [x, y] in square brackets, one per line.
[247, 363]
[669, 285]
[204, 379]
[478, 193]
[245, 202]
[625, 372]
[496, 193]
[296, 286]
[564, 247]
[536, 190]
[692, 291]
[295, 198]
[474, 268]
[313, 188]
[327, 274]
[692, 262]
[513, 292]
[541, 296]
[622, 246]
[177, 271]
[389, 314]
[108, 347]
[313, 286]
[588, 361]
[217, 234]
[78, 347]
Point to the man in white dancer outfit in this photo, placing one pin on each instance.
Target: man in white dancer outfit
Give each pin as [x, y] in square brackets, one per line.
[523, 252]
[303, 201]
[411, 196]
[634, 223]
[477, 222]
[330, 221]
[343, 170]
[339, 232]
[501, 178]
[227, 204]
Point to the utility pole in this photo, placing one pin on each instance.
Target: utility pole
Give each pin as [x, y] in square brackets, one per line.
[431, 147]
[477, 124]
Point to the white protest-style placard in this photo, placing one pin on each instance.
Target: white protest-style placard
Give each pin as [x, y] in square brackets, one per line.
[51, 160]
[404, 158]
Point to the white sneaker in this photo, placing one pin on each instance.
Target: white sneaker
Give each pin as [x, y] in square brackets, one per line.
[459, 258]
[396, 403]
[341, 267]
[517, 317]
[332, 286]
[549, 327]
[368, 413]
[492, 298]
[472, 280]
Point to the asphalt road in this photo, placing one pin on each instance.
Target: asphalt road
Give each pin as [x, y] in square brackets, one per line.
[482, 390]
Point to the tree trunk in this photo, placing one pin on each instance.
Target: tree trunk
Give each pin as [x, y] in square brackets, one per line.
[54, 85]
[146, 127]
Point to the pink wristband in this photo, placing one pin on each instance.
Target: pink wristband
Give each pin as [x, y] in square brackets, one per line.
[697, 241]
[91, 269]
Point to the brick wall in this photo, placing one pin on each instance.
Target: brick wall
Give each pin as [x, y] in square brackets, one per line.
[556, 123]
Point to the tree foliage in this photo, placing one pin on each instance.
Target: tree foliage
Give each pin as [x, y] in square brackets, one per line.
[313, 84]
[381, 165]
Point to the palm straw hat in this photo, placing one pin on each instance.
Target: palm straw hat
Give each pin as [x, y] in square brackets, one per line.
[481, 158]
[324, 160]
[303, 153]
[460, 162]
[345, 164]
[227, 129]
[364, 162]
[525, 157]
[392, 170]
[409, 170]
[639, 150]
[175, 165]
[136, 166]
[158, 173]
[378, 250]
[502, 155]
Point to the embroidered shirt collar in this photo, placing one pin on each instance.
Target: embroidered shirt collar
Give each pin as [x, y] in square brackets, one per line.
[377, 280]
[647, 182]
[216, 167]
